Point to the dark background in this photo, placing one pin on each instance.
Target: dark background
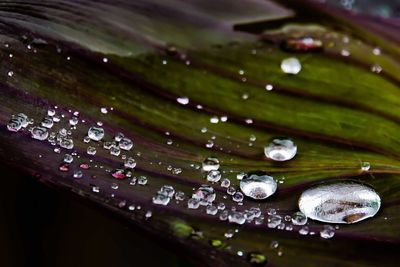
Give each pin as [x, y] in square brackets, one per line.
[40, 226]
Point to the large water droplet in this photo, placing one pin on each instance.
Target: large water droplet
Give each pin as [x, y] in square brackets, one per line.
[280, 149]
[96, 133]
[291, 65]
[340, 202]
[258, 185]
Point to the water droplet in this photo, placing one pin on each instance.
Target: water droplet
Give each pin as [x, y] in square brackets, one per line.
[142, 180]
[167, 190]
[340, 202]
[125, 144]
[298, 218]
[376, 51]
[280, 149]
[68, 158]
[376, 68]
[161, 199]
[258, 185]
[327, 232]
[118, 174]
[179, 196]
[78, 174]
[214, 176]
[365, 166]
[39, 133]
[211, 210]
[10, 73]
[291, 65]
[274, 221]
[302, 44]
[96, 133]
[225, 183]
[237, 217]
[91, 150]
[193, 203]
[73, 121]
[64, 167]
[205, 194]
[115, 151]
[183, 100]
[104, 110]
[304, 230]
[210, 164]
[238, 197]
[130, 163]
[47, 122]
[67, 143]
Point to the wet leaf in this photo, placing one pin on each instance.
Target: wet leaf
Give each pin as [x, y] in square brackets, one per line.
[185, 81]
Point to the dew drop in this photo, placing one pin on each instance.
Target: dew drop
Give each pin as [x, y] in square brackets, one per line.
[118, 174]
[258, 185]
[298, 218]
[130, 163]
[183, 100]
[205, 194]
[280, 149]
[340, 202]
[291, 65]
[91, 150]
[237, 217]
[327, 232]
[96, 133]
[211, 209]
[161, 199]
[274, 221]
[78, 174]
[214, 176]
[125, 144]
[210, 164]
[365, 166]
[39, 133]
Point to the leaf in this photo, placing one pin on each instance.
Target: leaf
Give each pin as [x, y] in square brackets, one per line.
[136, 59]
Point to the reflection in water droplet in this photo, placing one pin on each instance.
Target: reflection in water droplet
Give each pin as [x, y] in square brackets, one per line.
[340, 202]
[280, 149]
[96, 133]
[210, 164]
[214, 176]
[327, 232]
[298, 218]
[365, 166]
[258, 185]
[39, 133]
[237, 217]
[291, 65]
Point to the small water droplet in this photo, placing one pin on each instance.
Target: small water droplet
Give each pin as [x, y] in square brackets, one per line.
[365, 166]
[291, 65]
[237, 217]
[78, 174]
[125, 144]
[211, 210]
[274, 221]
[118, 174]
[340, 202]
[205, 194]
[193, 203]
[304, 230]
[96, 133]
[298, 218]
[161, 199]
[183, 100]
[142, 180]
[237, 197]
[91, 150]
[64, 167]
[214, 176]
[258, 185]
[210, 164]
[130, 163]
[39, 133]
[68, 158]
[327, 232]
[280, 149]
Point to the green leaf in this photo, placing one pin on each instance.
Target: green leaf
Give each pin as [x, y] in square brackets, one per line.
[338, 111]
